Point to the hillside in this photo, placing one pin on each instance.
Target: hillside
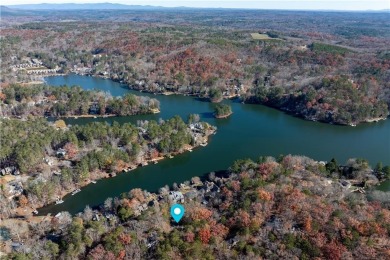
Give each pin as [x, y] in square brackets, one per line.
[288, 208]
[7, 11]
[92, 6]
[333, 74]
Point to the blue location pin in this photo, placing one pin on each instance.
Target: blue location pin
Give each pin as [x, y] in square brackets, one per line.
[177, 212]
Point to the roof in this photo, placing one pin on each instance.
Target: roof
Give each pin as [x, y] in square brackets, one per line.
[7, 178]
[191, 194]
[175, 195]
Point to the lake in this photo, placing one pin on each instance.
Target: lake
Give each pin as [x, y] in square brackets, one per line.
[251, 131]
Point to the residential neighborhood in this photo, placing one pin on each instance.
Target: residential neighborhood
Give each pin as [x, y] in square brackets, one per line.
[33, 67]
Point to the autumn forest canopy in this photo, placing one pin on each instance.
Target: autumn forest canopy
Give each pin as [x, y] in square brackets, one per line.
[332, 67]
[316, 65]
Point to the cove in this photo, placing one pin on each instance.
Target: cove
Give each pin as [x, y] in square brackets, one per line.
[251, 131]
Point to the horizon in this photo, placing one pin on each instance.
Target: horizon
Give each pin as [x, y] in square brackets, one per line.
[346, 5]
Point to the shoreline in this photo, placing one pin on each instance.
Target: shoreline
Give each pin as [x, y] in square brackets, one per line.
[168, 93]
[129, 167]
[223, 116]
[88, 116]
[374, 120]
[153, 111]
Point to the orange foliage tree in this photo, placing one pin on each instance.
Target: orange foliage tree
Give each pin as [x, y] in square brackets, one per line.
[23, 201]
[71, 150]
[199, 213]
[205, 235]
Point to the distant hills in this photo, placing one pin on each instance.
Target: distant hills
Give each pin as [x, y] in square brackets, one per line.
[6, 11]
[12, 9]
[92, 6]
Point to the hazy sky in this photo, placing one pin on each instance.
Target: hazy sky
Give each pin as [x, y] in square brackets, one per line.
[258, 4]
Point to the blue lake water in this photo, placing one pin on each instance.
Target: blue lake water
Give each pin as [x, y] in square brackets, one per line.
[251, 131]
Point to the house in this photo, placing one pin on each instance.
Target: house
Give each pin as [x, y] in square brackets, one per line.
[109, 216]
[142, 207]
[191, 195]
[183, 186]
[48, 161]
[36, 61]
[94, 109]
[96, 217]
[152, 240]
[210, 187]
[196, 181]
[5, 180]
[142, 130]
[31, 103]
[9, 170]
[15, 189]
[61, 152]
[16, 245]
[345, 184]
[197, 127]
[233, 241]
[176, 196]
[65, 164]
[152, 203]
[274, 223]
[58, 173]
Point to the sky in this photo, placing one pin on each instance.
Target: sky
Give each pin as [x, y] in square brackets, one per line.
[352, 5]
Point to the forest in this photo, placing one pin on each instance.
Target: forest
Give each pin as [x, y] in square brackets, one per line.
[332, 67]
[211, 54]
[42, 100]
[55, 160]
[271, 208]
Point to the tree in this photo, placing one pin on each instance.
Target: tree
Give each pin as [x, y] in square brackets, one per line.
[189, 237]
[334, 250]
[193, 118]
[222, 111]
[332, 166]
[200, 213]
[205, 235]
[219, 230]
[111, 241]
[108, 204]
[379, 167]
[52, 248]
[124, 213]
[386, 171]
[23, 201]
[243, 219]
[60, 124]
[99, 253]
[215, 95]
[75, 238]
[87, 214]
[71, 150]
[137, 194]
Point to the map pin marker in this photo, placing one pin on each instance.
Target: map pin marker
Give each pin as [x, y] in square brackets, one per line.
[177, 212]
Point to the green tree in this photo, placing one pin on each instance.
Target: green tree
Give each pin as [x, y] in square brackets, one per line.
[379, 167]
[386, 171]
[222, 110]
[124, 213]
[111, 242]
[215, 95]
[332, 166]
